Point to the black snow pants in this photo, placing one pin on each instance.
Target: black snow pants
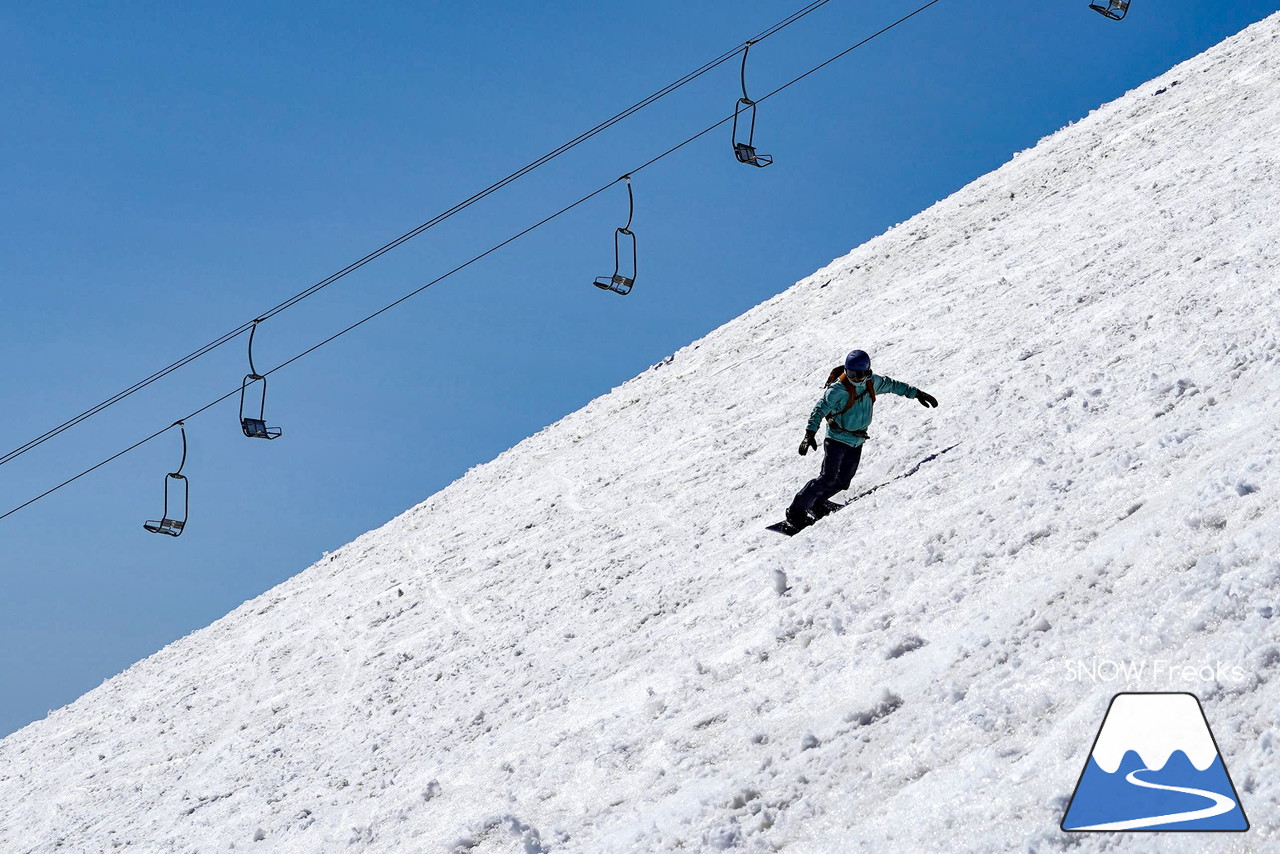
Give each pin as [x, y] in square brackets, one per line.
[838, 468]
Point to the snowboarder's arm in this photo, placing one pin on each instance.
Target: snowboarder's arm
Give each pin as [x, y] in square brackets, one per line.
[891, 386]
[826, 405]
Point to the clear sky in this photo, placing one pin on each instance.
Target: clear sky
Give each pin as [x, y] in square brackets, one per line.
[171, 172]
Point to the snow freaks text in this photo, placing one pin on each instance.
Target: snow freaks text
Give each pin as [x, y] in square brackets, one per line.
[1164, 671]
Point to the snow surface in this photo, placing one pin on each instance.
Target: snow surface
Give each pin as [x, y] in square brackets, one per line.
[591, 644]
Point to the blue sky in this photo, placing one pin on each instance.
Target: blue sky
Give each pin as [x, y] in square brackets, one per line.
[169, 173]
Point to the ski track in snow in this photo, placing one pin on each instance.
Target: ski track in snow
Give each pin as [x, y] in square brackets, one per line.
[579, 647]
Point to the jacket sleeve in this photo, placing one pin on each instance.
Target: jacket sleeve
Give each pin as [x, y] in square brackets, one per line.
[892, 386]
[833, 401]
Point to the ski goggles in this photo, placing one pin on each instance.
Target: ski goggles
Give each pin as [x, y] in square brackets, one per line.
[858, 376]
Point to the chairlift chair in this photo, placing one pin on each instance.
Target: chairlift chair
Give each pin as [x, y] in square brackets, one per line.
[165, 525]
[746, 151]
[174, 481]
[1115, 9]
[619, 282]
[255, 427]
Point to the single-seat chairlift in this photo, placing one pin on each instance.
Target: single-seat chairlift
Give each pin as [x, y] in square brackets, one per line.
[618, 282]
[746, 151]
[255, 428]
[1115, 9]
[175, 484]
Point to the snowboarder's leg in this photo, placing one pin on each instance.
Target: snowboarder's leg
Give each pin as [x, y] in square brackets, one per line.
[822, 504]
[839, 463]
[848, 468]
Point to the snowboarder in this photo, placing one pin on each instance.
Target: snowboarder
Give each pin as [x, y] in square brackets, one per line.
[846, 404]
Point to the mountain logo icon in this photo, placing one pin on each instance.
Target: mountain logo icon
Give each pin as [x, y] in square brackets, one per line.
[1155, 766]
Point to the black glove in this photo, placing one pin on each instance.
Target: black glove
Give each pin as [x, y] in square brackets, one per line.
[926, 399]
[809, 442]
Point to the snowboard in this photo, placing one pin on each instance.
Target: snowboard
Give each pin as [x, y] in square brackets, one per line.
[790, 530]
[787, 529]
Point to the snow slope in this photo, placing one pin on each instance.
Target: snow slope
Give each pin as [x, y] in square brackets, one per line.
[591, 645]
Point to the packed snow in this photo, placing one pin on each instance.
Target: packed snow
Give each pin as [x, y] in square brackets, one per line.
[591, 644]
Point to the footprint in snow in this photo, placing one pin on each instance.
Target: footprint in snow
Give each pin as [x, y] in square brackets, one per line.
[904, 646]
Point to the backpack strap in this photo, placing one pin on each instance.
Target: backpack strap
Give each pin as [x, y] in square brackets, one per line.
[853, 391]
[853, 398]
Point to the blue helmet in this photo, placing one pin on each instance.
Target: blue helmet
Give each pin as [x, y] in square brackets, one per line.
[857, 364]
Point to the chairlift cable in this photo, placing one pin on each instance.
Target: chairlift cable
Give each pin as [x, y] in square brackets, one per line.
[71, 480]
[848, 51]
[116, 398]
[473, 260]
[409, 235]
[440, 278]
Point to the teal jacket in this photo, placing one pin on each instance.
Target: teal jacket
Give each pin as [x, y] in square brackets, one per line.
[847, 426]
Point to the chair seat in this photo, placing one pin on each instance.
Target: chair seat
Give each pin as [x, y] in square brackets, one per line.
[747, 154]
[1115, 9]
[256, 428]
[172, 527]
[619, 284]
